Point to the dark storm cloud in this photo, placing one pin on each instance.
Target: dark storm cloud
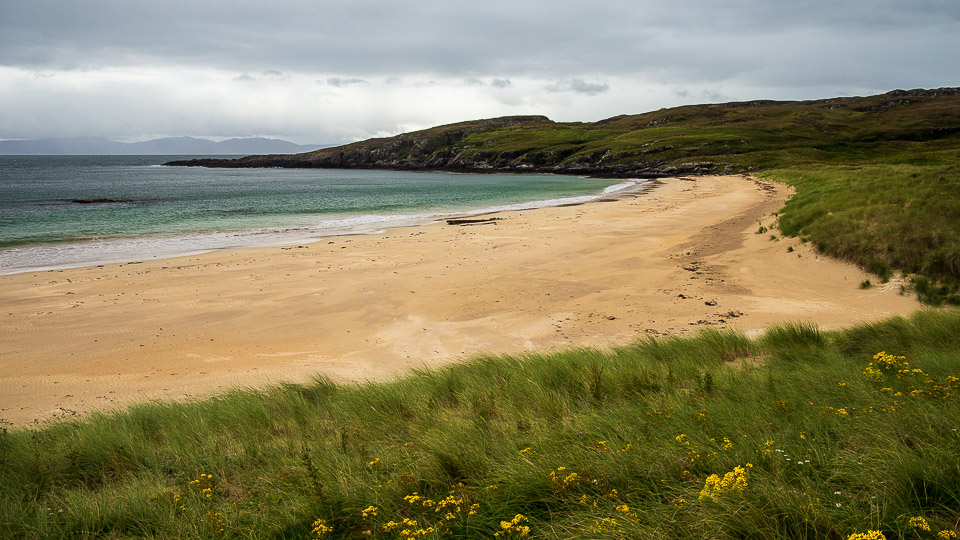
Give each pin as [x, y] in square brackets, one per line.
[700, 40]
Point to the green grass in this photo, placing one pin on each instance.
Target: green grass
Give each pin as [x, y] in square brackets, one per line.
[638, 431]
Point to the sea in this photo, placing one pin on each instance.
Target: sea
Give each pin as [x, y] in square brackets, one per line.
[71, 211]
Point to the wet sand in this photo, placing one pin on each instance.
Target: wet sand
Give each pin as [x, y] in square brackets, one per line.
[683, 257]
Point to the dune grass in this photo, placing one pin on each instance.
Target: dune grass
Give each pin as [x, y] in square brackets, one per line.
[885, 217]
[810, 434]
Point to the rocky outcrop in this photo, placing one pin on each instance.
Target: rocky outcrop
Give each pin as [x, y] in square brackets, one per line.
[448, 148]
[535, 162]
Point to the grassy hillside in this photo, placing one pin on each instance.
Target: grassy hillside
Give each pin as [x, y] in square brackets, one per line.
[797, 434]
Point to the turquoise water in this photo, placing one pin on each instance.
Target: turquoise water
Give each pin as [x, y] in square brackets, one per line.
[74, 210]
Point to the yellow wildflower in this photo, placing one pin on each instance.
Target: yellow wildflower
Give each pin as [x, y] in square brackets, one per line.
[869, 535]
[513, 528]
[320, 528]
[735, 480]
[919, 523]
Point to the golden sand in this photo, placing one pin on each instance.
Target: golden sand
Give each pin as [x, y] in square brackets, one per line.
[680, 258]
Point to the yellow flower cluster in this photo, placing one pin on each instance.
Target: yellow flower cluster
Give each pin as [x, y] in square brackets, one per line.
[869, 535]
[415, 498]
[889, 363]
[884, 364]
[625, 510]
[947, 535]
[727, 444]
[715, 487]
[513, 528]
[830, 411]
[416, 533]
[393, 525]
[930, 386]
[410, 528]
[453, 506]
[203, 479]
[919, 523]
[320, 528]
[203, 482]
[562, 479]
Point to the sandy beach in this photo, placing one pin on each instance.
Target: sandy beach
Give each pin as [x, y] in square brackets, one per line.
[682, 257]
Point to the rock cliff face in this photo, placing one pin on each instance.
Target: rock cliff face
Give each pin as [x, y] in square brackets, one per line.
[696, 139]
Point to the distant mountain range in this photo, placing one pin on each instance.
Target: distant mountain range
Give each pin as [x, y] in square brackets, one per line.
[164, 146]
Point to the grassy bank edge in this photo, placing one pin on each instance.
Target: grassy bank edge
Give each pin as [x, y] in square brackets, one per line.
[580, 443]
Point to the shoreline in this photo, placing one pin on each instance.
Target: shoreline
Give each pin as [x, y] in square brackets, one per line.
[683, 257]
[350, 225]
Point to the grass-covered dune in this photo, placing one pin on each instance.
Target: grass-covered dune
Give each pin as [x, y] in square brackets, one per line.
[796, 434]
[877, 178]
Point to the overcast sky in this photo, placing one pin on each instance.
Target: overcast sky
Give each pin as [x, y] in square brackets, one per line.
[335, 71]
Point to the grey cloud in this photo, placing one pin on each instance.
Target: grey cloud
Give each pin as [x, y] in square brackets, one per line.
[579, 86]
[625, 50]
[340, 82]
[698, 39]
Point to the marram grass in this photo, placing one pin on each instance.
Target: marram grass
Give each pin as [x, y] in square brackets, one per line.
[800, 433]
